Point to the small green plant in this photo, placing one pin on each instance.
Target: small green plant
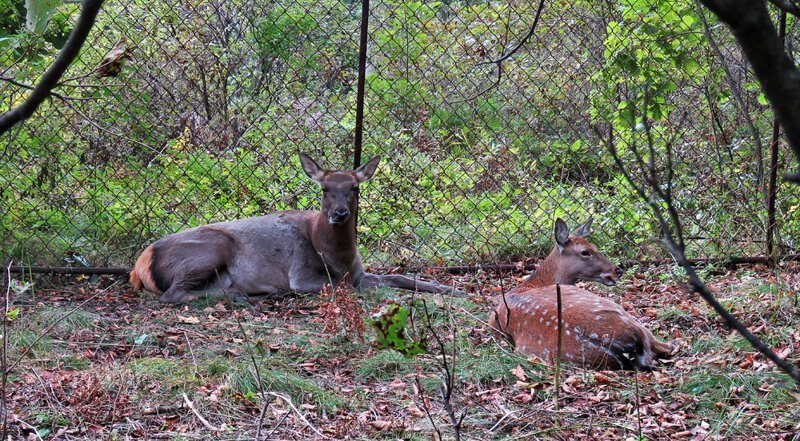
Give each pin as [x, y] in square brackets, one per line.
[390, 327]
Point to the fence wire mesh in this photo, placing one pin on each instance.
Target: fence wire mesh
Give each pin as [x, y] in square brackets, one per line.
[179, 113]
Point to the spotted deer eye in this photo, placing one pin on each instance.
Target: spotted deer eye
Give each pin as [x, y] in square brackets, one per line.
[585, 253]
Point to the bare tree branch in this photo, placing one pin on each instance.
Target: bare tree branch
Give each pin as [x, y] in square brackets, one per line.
[750, 23]
[55, 94]
[741, 106]
[71, 49]
[499, 61]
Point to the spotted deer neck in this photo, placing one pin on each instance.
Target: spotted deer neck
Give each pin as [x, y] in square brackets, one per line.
[547, 274]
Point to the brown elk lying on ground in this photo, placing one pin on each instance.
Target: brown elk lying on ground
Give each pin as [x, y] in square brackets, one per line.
[597, 333]
[280, 252]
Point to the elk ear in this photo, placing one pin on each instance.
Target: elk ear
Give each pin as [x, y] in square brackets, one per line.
[583, 230]
[312, 169]
[367, 170]
[562, 234]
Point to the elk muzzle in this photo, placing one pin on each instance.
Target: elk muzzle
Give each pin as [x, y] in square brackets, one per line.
[339, 216]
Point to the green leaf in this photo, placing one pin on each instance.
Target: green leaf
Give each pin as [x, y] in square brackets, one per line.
[12, 314]
[140, 339]
[39, 13]
[390, 325]
[762, 99]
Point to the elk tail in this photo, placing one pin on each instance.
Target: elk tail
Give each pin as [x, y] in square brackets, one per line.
[142, 275]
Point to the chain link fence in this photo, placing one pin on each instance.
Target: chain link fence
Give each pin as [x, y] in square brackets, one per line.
[179, 113]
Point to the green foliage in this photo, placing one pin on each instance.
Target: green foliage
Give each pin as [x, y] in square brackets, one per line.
[390, 326]
[204, 123]
[38, 13]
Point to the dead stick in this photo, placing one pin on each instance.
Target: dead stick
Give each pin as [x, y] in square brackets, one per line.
[302, 418]
[197, 414]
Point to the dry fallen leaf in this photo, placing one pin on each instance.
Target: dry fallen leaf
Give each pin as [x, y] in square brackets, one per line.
[519, 373]
[381, 424]
[189, 320]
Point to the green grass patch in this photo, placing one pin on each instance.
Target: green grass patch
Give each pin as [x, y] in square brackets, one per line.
[734, 387]
[65, 321]
[171, 375]
[488, 364]
[384, 365]
[241, 378]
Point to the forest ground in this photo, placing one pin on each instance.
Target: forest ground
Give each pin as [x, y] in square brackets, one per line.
[99, 361]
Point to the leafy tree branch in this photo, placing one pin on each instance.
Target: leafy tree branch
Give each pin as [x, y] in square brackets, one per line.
[53, 74]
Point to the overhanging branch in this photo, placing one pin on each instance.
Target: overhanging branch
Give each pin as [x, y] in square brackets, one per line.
[50, 78]
[750, 23]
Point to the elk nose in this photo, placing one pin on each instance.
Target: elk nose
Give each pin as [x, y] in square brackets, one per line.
[340, 215]
[619, 272]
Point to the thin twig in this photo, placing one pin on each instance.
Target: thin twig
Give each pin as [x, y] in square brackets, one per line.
[205, 422]
[425, 407]
[558, 352]
[677, 249]
[55, 94]
[499, 61]
[522, 42]
[738, 100]
[299, 414]
[261, 421]
[30, 427]
[257, 375]
[4, 379]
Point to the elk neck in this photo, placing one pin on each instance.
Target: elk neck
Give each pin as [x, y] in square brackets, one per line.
[337, 241]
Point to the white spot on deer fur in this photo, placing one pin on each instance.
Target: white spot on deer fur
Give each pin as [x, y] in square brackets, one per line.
[568, 333]
[547, 324]
[598, 317]
[553, 318]
[541, 319]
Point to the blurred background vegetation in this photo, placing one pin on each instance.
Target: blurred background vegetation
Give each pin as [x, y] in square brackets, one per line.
[200, 107]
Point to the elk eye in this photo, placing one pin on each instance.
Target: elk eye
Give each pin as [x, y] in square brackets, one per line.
[585, 253]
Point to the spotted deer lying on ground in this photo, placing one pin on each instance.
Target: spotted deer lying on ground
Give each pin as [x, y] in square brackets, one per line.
[596, 332]
[284, 251]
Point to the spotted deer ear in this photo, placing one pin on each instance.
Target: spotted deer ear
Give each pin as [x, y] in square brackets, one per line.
[562, 234]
